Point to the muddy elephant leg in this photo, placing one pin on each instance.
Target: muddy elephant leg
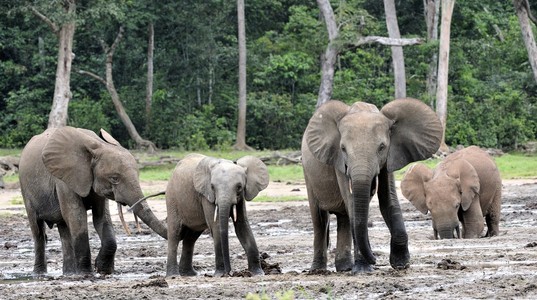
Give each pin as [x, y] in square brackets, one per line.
[344, 242]
[175, 234]
[104, 263]
[76, 219]
[493, 217]
[391, 212]
[189, 237]
[38, 233]
[69, 262]
[320, 220]
[246, 237]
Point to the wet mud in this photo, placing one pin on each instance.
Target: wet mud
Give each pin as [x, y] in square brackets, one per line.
[504, 266]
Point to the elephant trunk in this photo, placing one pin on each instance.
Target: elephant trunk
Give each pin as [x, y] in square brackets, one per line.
[448, 233]
[223, 219]
[143, 211]
[361, 190]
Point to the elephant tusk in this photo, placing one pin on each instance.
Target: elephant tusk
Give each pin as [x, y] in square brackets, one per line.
[215, 213]
[235, 213]
[350, 185]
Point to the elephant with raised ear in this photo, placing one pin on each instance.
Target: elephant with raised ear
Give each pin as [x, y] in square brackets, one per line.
[348, 154]
[63, 173]
[463, 188]
[204, 192]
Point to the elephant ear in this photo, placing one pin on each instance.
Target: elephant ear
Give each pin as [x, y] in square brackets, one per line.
[322, 134]
[202, 177]
[415, 134]
[68, 155]
[468, 180]
[257, 177]
[413, 185]
[108, 137]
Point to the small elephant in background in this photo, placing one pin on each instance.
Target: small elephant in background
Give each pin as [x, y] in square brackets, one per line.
[204, 192]
[466, 186]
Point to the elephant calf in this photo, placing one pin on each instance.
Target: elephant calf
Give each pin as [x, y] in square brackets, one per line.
[204, 192]
[465, 187]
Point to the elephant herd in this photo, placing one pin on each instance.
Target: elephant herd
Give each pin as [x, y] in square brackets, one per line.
[349, 154]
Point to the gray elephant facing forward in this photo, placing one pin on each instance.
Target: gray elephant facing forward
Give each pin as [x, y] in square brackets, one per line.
[350, 152]
[466, 186]
[63, 173]
[204, 192]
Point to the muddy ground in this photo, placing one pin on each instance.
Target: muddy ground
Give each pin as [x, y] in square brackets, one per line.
[500, 267]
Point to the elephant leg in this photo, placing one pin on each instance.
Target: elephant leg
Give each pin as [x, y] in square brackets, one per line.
[343, 248]
[175, 234]
[189, 238]
[493, 216]
[76, 219]
[69, 262]
[472, 221]
[246, 237]
[320, 219]
[104, 263]
[38, 232]
[220, 269]
[393, 216]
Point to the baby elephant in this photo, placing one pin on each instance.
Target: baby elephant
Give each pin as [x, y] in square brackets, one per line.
[204, 192]
[466, 186]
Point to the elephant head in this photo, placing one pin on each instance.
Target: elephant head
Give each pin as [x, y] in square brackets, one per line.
[226, 184]
[361, 141]
[449, 189]
[85, 162]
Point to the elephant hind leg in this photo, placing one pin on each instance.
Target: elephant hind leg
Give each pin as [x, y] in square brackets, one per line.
[175, 234]
[320, 220]
[38, 231]
[189, 238]
[493, 216]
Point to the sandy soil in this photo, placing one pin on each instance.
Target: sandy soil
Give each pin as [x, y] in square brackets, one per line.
[498, 267]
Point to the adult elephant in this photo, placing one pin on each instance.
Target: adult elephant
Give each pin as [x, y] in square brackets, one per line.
[348, 152]
[63, 173]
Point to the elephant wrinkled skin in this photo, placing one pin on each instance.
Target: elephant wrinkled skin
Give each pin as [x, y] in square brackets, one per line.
[466, 186]
[350, 152]
[63, 173]
[204, 192]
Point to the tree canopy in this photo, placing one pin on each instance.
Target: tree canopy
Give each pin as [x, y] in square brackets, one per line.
[492, 92]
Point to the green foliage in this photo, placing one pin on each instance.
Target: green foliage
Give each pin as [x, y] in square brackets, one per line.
[88, 114]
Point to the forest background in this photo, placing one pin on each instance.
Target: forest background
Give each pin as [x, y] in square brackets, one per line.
[492, 93]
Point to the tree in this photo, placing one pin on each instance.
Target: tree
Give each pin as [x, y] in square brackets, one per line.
[109, 83]
[149, 84]
[432, 9]
[65, 33]
[330, 54]
[240, 144]
[398, 59]
[443, 67]
[524, 14]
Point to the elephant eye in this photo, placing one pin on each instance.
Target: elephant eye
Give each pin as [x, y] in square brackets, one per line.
[343, 149]
[239, 189]
[114, 179]
[382, 146]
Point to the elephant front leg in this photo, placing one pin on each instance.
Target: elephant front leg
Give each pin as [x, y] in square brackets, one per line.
[104, 263]
[69, 258]
[344, 240]
[246, 237]
[391, 212]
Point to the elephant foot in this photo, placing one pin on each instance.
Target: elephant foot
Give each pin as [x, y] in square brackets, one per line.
[344, 263]
[220, 273]
[257, 271]
[399, 257]
[318, 264]
[361, 266]
[188, 272]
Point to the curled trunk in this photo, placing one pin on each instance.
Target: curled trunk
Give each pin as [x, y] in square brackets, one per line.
[143, 211]
[361, 190]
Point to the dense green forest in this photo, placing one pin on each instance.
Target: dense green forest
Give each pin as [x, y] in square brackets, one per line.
[492, 93]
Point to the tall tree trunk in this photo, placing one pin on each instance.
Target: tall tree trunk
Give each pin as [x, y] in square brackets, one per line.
[524, 14]
[398, 59]
[432, 10]
[109, 83]
[240, 143]
[149, 84]
[330, 55]
[62, 89]
[443, 67]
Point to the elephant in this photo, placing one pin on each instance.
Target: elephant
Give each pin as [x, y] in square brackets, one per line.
[466, 187]
[63, 173]
[204, 192]
[350, 152]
